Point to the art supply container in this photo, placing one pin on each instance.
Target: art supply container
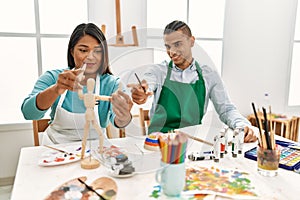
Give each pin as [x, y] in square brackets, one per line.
[171, 177]
[268, 161]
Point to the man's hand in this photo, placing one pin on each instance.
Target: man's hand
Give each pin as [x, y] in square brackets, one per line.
[138, 94]
[249, 135]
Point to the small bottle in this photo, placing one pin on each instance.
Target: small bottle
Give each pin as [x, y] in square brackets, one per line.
[222, 143]
[267, 103]
[217, 147]
[234, 147]
[240, 140]
[226, 138]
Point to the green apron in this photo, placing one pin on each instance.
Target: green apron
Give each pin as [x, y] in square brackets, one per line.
[179, 104]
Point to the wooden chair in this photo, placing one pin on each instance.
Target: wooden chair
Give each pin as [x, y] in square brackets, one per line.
[109, 131]
[281, 127]
[42, 124]
[293, 129]
[39, 126]
[285, 127]
[144, 120]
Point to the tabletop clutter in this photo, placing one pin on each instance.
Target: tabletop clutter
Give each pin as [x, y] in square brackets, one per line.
[174, 173]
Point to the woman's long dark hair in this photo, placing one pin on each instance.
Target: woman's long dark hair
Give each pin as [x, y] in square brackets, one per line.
[92, 30]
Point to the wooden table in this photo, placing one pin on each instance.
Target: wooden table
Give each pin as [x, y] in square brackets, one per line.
[35, 182]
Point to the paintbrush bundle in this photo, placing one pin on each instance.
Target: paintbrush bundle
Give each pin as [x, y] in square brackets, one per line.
[266, 137]
[173, 147]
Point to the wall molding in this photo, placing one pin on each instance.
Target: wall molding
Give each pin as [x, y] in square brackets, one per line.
[7, 181]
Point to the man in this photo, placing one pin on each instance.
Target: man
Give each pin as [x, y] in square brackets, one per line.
[183, 87]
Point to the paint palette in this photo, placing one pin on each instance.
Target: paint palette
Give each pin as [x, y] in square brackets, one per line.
[289, 158]
[54, 157]
[77, 188]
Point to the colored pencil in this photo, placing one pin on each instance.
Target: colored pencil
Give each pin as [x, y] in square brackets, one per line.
[183, 141]
[173, 147]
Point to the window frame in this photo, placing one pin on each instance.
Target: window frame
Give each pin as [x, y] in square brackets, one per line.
[153, 35]
[293, 108]
[38, 36]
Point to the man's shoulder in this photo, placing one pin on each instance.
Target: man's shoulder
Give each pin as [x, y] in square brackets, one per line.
[207, 69]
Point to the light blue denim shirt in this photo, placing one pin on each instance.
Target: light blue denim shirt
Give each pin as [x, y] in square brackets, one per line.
[215, 90]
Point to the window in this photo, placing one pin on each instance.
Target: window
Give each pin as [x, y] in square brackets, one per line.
[294, 95]
[208, 33]
[160, 13]
[33, 45]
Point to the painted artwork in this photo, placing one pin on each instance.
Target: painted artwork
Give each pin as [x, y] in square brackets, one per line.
[222, 182]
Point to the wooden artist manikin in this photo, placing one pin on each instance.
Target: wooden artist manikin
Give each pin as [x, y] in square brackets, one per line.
[89, 100]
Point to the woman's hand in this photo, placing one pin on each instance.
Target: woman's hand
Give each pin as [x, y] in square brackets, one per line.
[68, 80]
[121, 104]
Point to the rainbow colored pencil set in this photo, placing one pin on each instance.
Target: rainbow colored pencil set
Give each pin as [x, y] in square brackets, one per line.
[173, 147]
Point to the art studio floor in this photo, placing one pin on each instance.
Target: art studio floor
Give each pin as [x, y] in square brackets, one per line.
[5, 192]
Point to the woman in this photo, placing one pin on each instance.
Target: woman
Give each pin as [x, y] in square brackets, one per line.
[57, 89]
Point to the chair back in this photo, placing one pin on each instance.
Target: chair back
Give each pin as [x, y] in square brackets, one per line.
[144, 120]
[294, 128]
[39, 126]
[285, 127]
[112, 131]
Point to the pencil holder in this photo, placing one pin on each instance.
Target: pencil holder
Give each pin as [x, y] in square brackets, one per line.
[171, 177]
[268, 161]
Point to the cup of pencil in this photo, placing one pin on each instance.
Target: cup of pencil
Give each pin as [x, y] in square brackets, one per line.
[171, 175]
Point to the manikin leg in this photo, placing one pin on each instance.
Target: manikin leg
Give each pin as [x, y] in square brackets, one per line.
[84, 139]
[101, 137]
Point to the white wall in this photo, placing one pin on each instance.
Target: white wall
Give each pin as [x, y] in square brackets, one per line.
[13, 137]
[258, 35]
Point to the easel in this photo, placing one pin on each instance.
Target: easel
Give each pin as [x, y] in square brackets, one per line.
[119, 37]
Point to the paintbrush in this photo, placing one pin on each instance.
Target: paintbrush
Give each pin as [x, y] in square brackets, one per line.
[199, 140]
[262, 143]
[272, 137]
[268, 140]
[91, 189]
[195, 138]
[139, 82]
[62, 151]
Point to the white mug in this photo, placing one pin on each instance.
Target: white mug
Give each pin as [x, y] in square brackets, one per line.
[171, 177]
